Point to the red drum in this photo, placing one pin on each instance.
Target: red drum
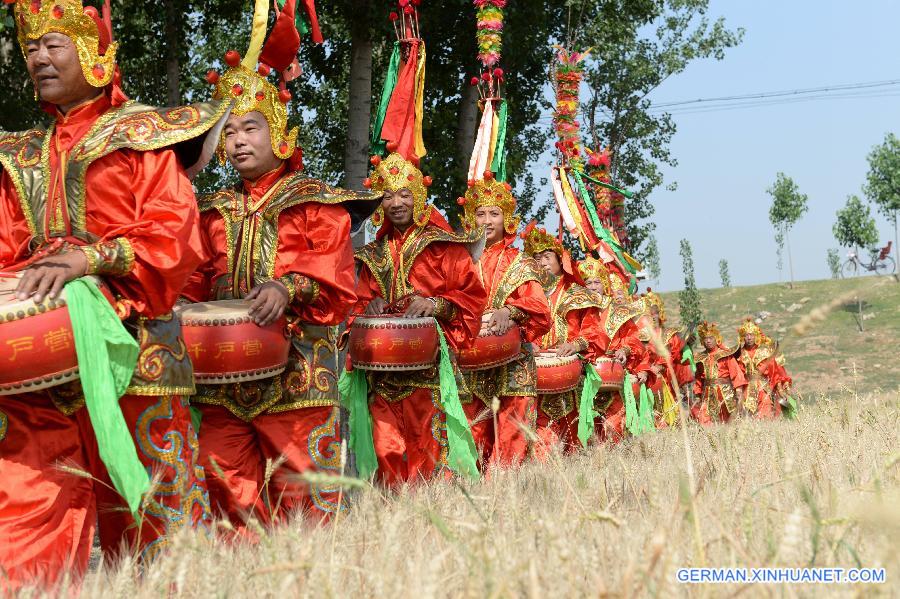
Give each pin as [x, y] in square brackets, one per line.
[490, 350]
[393, 343]
[226, 346]
[37, 346]
[611, 372]
[557, 374]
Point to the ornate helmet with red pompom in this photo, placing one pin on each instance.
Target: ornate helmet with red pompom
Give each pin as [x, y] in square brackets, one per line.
[395, 173]
[537, 240]
[91, 33]
[489, 192]
[592, 269]
[651, 298]
[245, 81]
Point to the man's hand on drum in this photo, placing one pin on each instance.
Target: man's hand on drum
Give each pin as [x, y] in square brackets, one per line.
[566, 349]
[500, 322]
[46, 278]
[419, 307]
[376, 306]
[267, 302]
[642, 376]
[621, 356]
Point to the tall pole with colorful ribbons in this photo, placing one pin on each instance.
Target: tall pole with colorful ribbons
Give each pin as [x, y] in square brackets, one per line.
[579, 211]
[400, 110]
[490, 141]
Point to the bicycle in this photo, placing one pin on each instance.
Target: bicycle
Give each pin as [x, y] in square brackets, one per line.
[881, 263]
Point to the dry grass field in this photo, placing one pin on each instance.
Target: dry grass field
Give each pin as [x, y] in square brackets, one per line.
[614, 521]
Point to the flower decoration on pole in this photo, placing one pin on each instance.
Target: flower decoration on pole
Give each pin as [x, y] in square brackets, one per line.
[489, 154]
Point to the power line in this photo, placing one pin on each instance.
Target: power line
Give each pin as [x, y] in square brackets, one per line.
[782, 93]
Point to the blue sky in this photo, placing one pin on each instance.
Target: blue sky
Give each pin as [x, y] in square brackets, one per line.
[727, 159]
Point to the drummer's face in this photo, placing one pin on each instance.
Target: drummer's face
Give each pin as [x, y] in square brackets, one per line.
[398, 206]
[550, 262]
[491, 218]
[750, 340]
[595, 285]
[710, 342]
[248, 145]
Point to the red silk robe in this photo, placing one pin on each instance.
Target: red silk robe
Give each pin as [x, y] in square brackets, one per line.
[512, 280]
[294, 415]
[138, 210]
[719, 386]
[409, 425]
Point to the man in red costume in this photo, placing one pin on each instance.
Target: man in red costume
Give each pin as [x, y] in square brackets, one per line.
[415, 267]
[653, 323]
[763, 366]
[102, 192]
[281, 241]
[516, 298]
[719, 384]
[574, 329]
[621, 340]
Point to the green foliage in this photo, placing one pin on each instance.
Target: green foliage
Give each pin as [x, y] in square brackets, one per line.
[723, 273]
[689, 297]
[651, 259]
[788, 204]
[883, 179]
[638, 44]
[834, 263]
[855, 226]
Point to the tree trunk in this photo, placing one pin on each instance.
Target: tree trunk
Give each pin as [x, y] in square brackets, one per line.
[787, 239]
[173, 45]
[466, 125]
[356, 150]
[896, 250]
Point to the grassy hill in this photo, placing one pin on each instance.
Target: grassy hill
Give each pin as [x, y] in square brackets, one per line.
[833, 355]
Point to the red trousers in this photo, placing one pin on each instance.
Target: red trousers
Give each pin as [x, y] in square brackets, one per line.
[612, 427]
[410, 437]
[49, 511]
[562, 432]
[235, 454]
[505, 445]
[767, 407]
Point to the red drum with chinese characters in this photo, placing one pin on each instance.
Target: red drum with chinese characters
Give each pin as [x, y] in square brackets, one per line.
[557, 374]
[490, 350]
[611, 372]
[393, 343]
[226, 346]
[37, 346]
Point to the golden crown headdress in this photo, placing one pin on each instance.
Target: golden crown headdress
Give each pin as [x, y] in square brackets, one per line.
[91, 33]
[651, 298]
[749, 327]
[593, 269]
[395, 173]
[489, 192]
[245, 81]
[538, 240]
[709, 329]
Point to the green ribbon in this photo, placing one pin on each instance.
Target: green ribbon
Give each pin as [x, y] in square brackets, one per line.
[390, 81]
[354, 392]
[645, 411]
[586, 200]
[196, 418]
[687, 355]
[631, 410]
[586, 412]
[107, 355]
[624, 192]
[790, 410]
[498, 165]
[462, 455]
